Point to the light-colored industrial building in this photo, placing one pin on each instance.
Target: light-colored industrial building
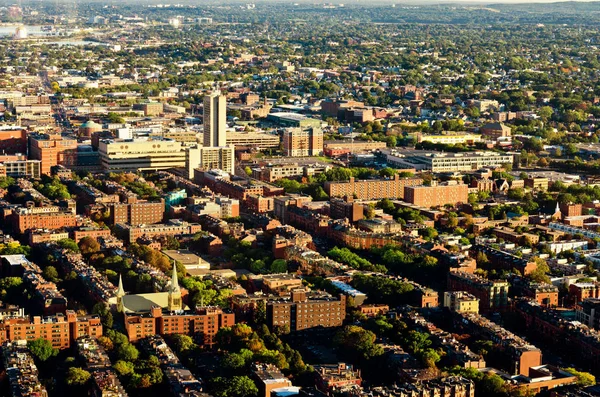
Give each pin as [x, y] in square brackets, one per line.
[446, 162]
[135, 155]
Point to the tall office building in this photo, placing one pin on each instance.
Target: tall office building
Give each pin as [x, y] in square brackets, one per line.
[215, 110]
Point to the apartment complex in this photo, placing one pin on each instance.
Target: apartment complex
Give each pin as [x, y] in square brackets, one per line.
[133, 155]
[137, 213]
[305, 310]
[204, 323]
[492, 294]
[209, 158]
[437, 194]
[52, 150]
[61, 330]
[298, 142]
[371, 189]
[51, 218]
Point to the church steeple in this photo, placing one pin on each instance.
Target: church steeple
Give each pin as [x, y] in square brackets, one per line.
[120, 294]
[174, 302]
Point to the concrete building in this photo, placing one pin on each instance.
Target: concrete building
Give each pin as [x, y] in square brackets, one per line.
[254, 139]
[299, 142]
[215, 120]
[18, 166]
[141, 155]
[437, 194]
[209, 158]
[446, 162]
[461, 302]
[371, 189]
[339, 147]
[450, 138]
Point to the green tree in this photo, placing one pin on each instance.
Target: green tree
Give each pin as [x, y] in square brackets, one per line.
[68, 244]
[77, 376]
[183, 343]
[358, 341]
[124, 368]
[583, 378]
[237, 386]
[50, 273]
[88, 245]
[41, 349]
[127, 352]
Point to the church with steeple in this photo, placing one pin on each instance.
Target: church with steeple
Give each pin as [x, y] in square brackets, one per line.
[164, 313]
[170, 300]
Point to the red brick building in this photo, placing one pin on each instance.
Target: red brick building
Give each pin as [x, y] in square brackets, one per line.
[372, 189]
[436, 195]
[205, 322]
[59, 329]
[50, 218]
[53, 150]
[13, 141]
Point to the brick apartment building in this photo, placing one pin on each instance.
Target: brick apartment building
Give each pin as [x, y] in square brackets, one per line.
[372, 189]
[138, 213]
[305, 310]
[436, 195]
[52, 150]
[13, 140]
[298, 142]
[204, 322]
[61, 330]
[346, 208]
[492, 294]
[50, 218]
[578, 292]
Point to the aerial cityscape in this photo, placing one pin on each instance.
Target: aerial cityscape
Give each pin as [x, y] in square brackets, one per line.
[311, 198]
